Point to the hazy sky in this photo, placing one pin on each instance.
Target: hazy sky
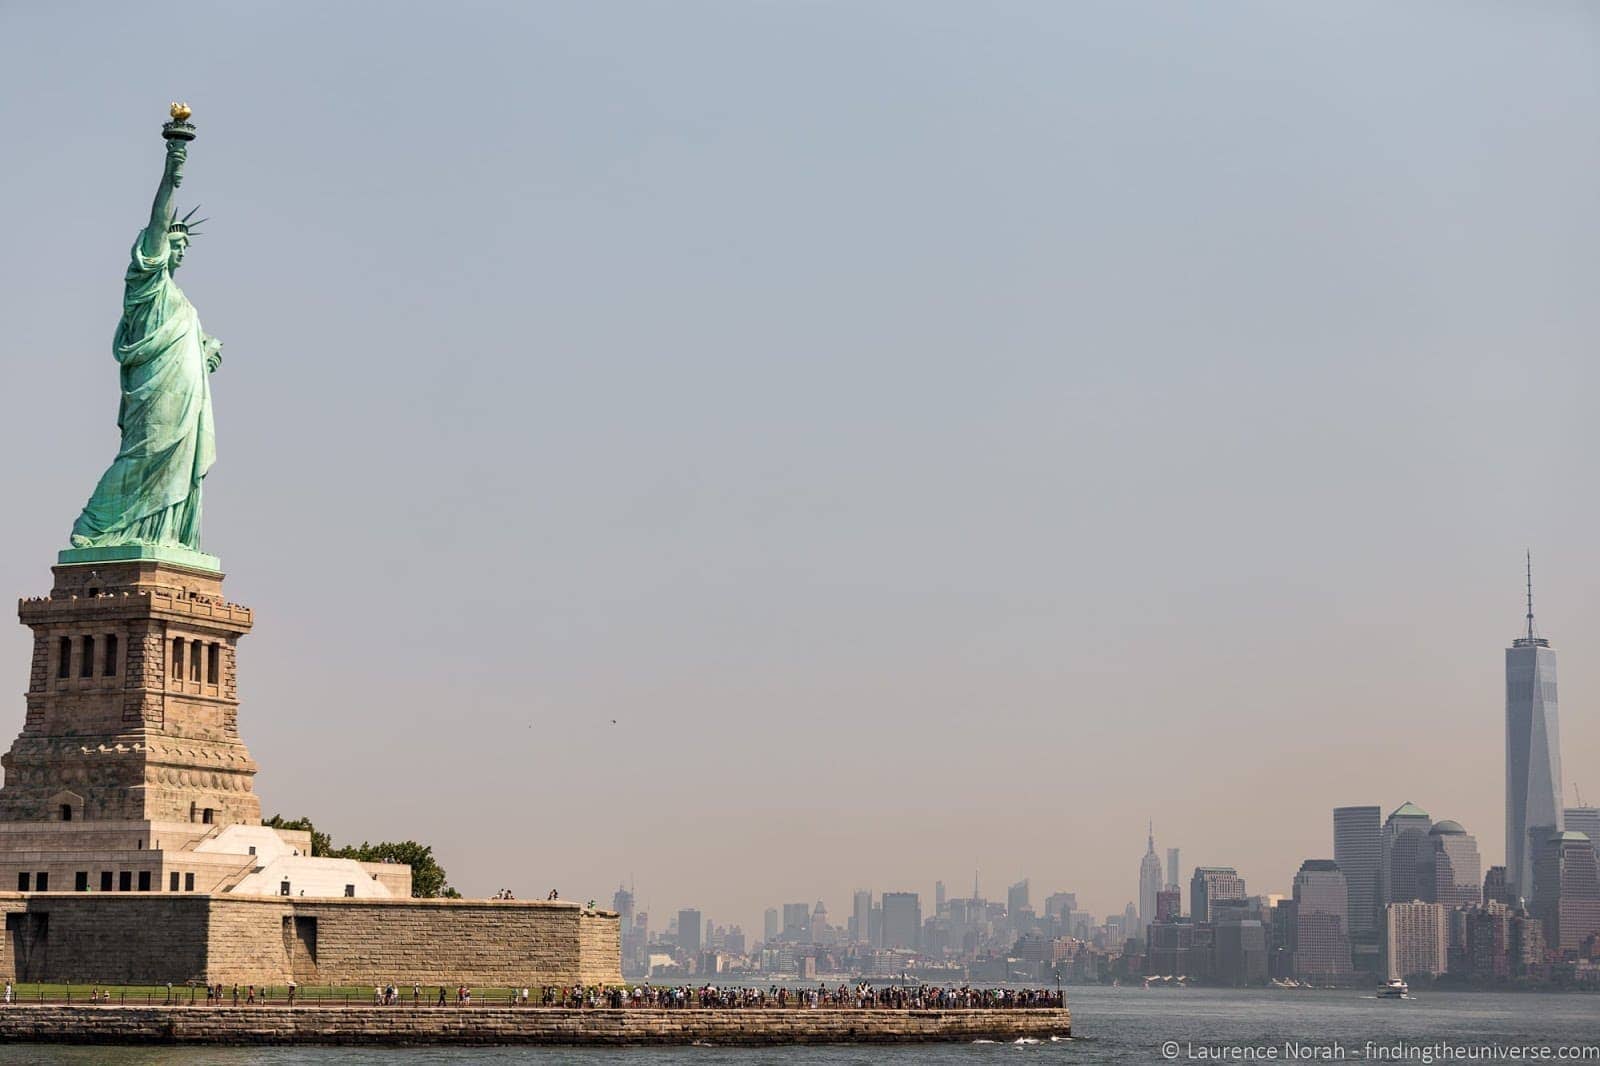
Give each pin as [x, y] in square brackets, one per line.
[941, 435]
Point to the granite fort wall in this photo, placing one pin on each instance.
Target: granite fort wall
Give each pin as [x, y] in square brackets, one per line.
[154, 938]
[527, 1025]
[79, 937]
[475, 942]
[92, 938]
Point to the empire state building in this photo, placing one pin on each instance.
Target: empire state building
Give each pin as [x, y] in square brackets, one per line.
[1533, 752]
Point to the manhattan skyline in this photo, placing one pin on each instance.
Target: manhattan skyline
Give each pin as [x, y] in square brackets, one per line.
[937, 439]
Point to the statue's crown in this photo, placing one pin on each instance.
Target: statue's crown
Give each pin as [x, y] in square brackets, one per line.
[183, 225]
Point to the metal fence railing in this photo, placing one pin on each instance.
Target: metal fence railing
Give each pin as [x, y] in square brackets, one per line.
[637, 997]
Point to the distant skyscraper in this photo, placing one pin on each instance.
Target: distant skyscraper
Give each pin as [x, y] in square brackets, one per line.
[863, 916]
[1058, 908]
[1533, 750]
[902, 920]
[1489, 939]
[1171, 949]
[1449, 868]
[1169, 905]
[1209, 884]
[1417, 939]
[797, 923]
[1321, 899]
[1057, 902]
[628, 937]
[689, 931]
[938, 897]
[1017, 898]
[1585, 820]
[1173, 866]
[622, 903]
[1405, 840]
[1494, 887]
[1149, 884]
[821, 932]
[769, 925]
[1240, 947]
[1566, 890]
[1358, 848]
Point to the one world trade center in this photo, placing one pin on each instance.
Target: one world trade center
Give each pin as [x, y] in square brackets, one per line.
[1533, 752]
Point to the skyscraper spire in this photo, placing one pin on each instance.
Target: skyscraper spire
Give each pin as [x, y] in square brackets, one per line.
[1152, 836]
[1530, 593]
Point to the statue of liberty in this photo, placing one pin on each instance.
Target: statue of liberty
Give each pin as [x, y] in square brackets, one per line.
[150, 496]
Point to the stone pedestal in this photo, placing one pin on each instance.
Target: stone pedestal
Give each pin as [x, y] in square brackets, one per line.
[133, 706]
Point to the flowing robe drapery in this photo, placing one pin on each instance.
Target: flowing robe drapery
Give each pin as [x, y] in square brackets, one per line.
[151, 493]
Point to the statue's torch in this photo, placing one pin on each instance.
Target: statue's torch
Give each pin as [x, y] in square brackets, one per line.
[180, 128]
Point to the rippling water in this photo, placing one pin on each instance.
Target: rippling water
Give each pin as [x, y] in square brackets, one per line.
[1112, 1025]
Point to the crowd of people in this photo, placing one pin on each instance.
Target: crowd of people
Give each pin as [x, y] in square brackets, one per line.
[863, 996]
[217, 994]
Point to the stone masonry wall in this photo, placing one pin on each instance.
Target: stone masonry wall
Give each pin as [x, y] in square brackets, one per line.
[154, 938]
[109, 939]
[459, 941]
[246, 945]
[600, 949]
[526, 1025]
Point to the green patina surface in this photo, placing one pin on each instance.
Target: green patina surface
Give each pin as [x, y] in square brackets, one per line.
[149, 498]
[165, 553]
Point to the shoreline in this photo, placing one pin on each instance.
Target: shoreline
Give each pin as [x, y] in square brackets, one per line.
[490, 1026]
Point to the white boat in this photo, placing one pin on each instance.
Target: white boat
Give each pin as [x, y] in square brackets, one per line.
[1396, 989]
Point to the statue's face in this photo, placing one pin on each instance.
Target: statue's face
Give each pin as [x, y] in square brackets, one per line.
[180, 248]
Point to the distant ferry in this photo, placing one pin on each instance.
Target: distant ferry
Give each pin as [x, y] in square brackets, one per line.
[1396, 989]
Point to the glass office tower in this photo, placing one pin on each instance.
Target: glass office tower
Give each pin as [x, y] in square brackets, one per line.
[1533, 753]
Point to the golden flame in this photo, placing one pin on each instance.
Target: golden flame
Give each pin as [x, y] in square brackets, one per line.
[181, 112]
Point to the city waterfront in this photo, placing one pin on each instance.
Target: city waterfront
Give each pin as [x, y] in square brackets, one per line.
[1113, 1025]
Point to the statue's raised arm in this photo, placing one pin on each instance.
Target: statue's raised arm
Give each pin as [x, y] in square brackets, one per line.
[155, 234]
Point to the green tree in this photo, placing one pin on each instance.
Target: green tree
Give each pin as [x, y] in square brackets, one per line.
[321, 843]
[427, 876]
[428, 880]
